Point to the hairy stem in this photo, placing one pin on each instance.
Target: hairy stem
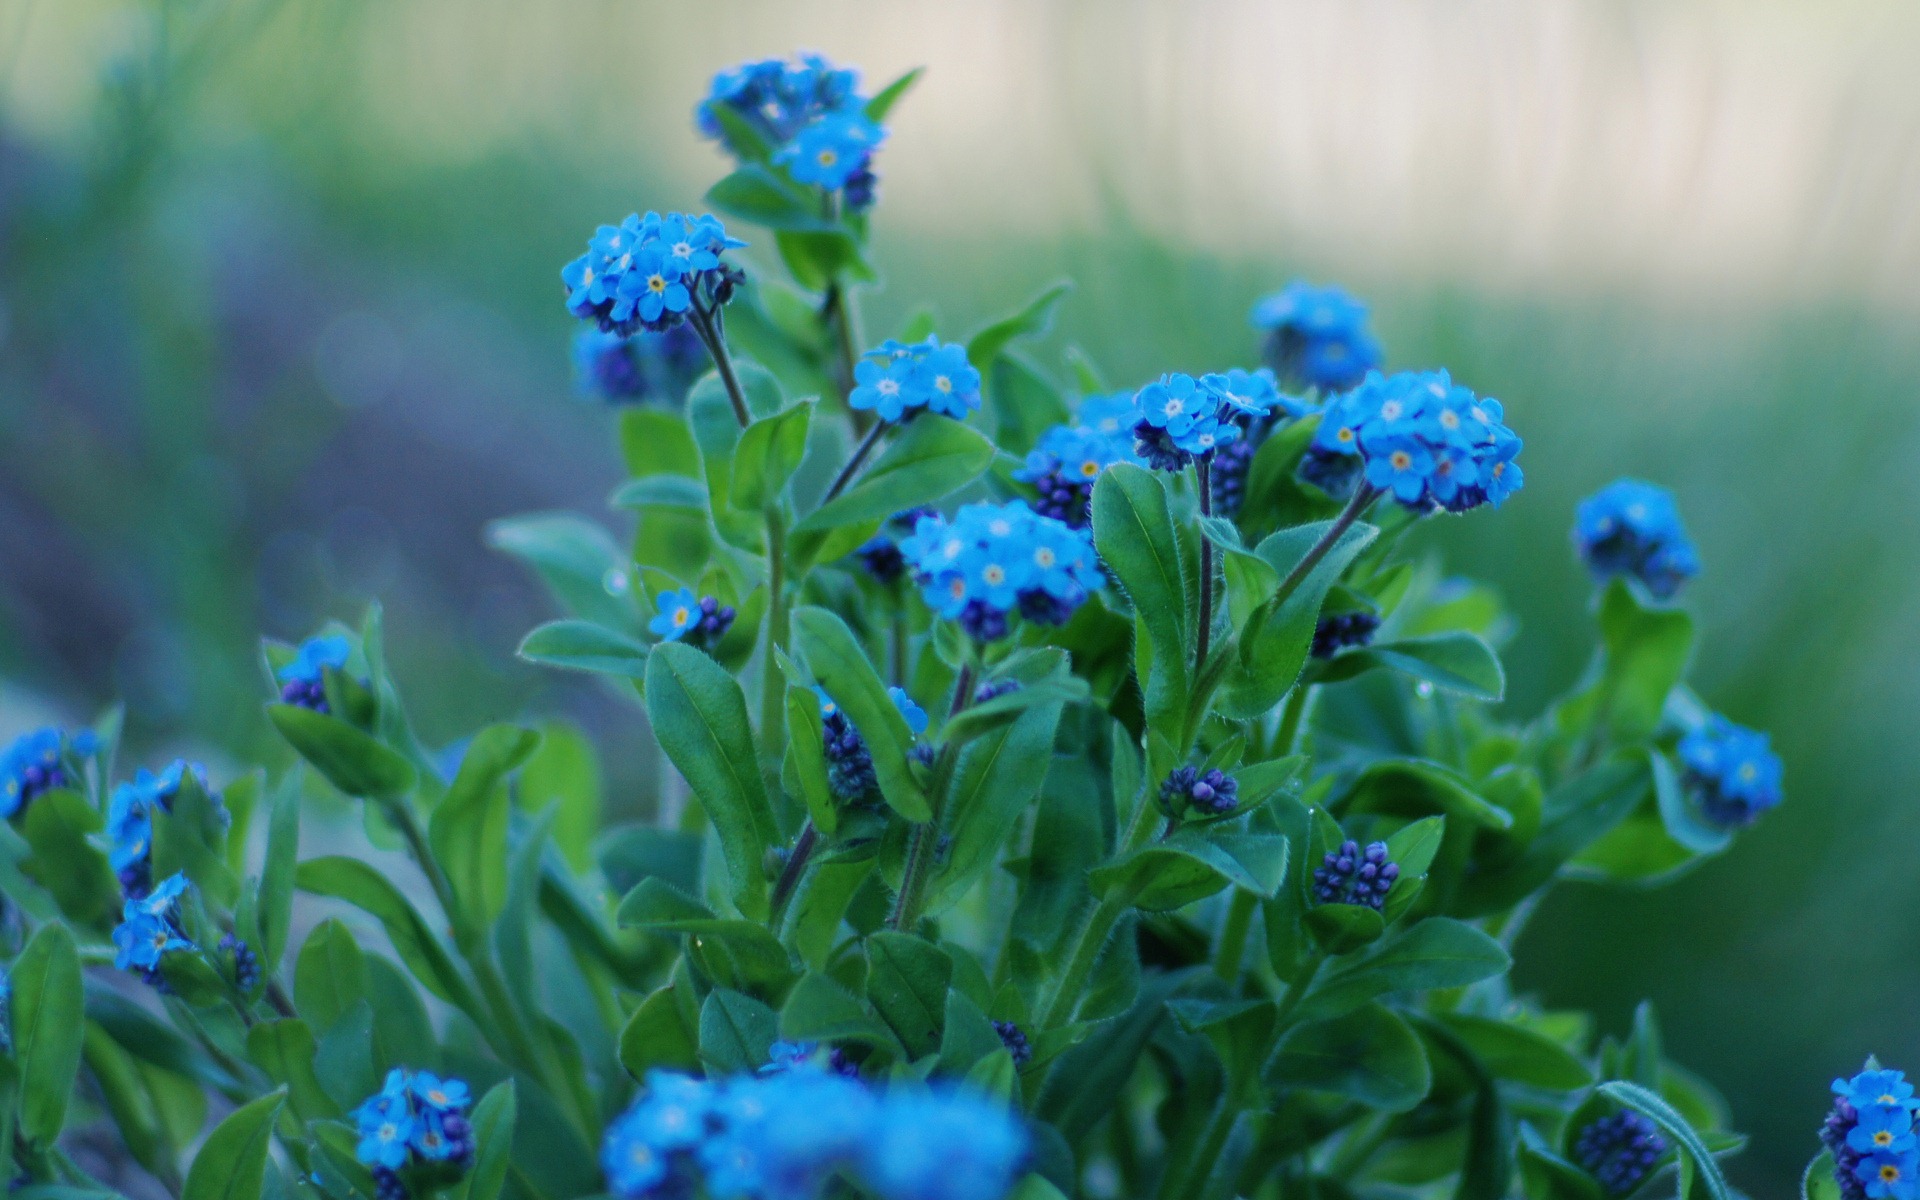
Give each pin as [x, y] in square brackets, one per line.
[860, 453]
[925, 837]
[706, 324]
[1363, 496]
[790, 873]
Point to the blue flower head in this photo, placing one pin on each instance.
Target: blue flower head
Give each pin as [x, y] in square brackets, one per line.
[1894, 1175]
[1113, 415]
[897, 381]
[1877, 1089]
[659, 368]
[990, 560]
[1632, 528]
[1067, 462]
[130, 819]
[778, 97]
[832, 150]
[149, 928]
[1317, 337]
[1180, 418]
[943, 1145]
[1420, 436]
[38, 762]
[416, 1116]
[303, 679]
[916, 717]
[1620, 1150]
[675, 613]
[1731, 770]
[649, 272]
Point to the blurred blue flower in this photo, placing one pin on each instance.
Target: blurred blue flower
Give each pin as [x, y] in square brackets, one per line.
[1889, 1174]
[1731, 770]
[896, 380]
[660, 367]
[1067, 461]
[1632, 528]
[303, 678]
[832, 150]
[1419, 435]
[777, 97]
[675, 613]
[942, 1145]
[916, 717]
[1877, 1088]
[1317, 337]
[150, 929]
[37, 762]
[130, 819]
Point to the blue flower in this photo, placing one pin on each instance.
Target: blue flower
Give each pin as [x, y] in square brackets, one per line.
[777, 97]
[1067, 462]
[832, 150]
[1632, 528]
[1892, 1175]
[303, 678]
[1419, 435]
[1246, 393]
[675, 613]
[1731, 770]
[130, 820]
[1880, 1129]
[916, 717]
[415, 1113]
[648, 366]
[387, 1128]
[1113, 415]
[1620, 1150]
[991, 560]
[1180, 418]
[1317, 337]
[150, 929]
[649, 272]
[1877, 1089]
[34, 763]
[1350, 875]
[441, 1095]
[942, 1145]
[896, 380]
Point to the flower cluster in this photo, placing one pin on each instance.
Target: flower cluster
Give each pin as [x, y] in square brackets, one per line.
[246, 964]
[648, 272]
[130, 820]
[782, 1134]
[1015, 1040]
[416, 1119]
[1619, 1150]
[989, 560]
[1731, 770]
[1350, 875]
[849, 764]
[1631, 528]
[37, 762]
[897, 380]
[1420, 436]
[810, 112]
[1317, 337]
[1179, 418]
[303, 681]
[1066, 464]
[648, 366]
[150, 929]
[1337, 631]
[679, 613]
[1869, 1132]
[1209, 792]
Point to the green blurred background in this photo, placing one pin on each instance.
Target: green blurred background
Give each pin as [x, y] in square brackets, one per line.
[280, 329]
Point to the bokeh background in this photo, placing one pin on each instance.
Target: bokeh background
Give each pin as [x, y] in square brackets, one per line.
[280, 331]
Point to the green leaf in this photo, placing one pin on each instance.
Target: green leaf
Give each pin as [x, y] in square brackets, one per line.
[770, 451]
[1415, 788]
[1023, 401]
[1275, 640]
[884, 100]
[929, 459]
[1192, 865]
[1818, 1182]
[59, 825]
[1518, 1054]
[1436, 953]
[1134, 532]
[1457, 662]
[660, 491]
[1369, 1055]
[285, 1050]
[807, 754]
[1661, 1113]
[232, 1162]
[818, 258]
[840, 666]
[996, 778]
[351, 760]
[746, 141]
[699, 716]
[363, 886]
[820, 1010]
[1646, 653]
[1032, 320]
[493, 1122]
[575, 645]
[657, 1036]
[907, 981]
[743, 947]
[468, 830]
[330, 975]
[48, 1027]
[1575, 814]
[576, 559]
[276, 874]
[1240, 1031]
[565, 773]
[755, 193]
[735, 1032]
[966, 1035]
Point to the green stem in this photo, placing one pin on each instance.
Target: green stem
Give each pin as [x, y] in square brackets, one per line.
[1194, 1170]
[1092, 934]
[1363, 496]
[706, 324]
[1202, 474]
[1290, 716]
[926, 835]
[837, 312]
[1232, 947]
[860, 453]
[773, 692]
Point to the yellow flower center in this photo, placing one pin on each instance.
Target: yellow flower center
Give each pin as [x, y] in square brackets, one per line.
[994, 574]
[1401, 460]
[1043, 556]
[1890, 1172]
[1883, 1138]
[1450, 419]
[681, 614]
[1089, 468]
[827, 158]
[1345, 434]
[943, 383]
[657, 283]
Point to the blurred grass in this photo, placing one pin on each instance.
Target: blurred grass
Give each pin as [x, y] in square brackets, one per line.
[254, 376]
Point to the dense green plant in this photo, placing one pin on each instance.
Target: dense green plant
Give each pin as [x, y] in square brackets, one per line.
[1206, 865]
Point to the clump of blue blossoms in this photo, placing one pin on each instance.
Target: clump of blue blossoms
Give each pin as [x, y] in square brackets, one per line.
[1066, 464]
[849, 763]
[1189, 789]
[1619, 1150]
[1632, 528]
[653, 272]
[777, 97]
[836, 152]
[1335, 632]
[303, 681]
[992, 560]
[416, 1123]
[782, 1134]
[150, 929]
[1870, 1135]
[246, 964]
[1180, 419]
[646, 367]
[1350, 875]
[682, 615]
[1419, 436]
[38, 762]
[1731, 771]
[1317, 337]
[130, 820]
[897, 380]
